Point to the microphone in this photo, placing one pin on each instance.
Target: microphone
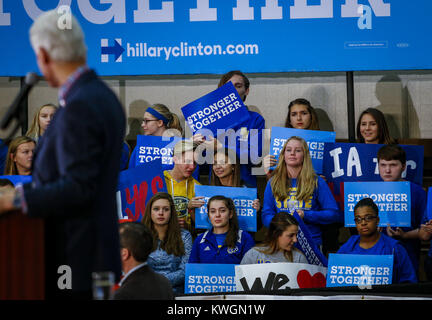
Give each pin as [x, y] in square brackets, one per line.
[14, 110]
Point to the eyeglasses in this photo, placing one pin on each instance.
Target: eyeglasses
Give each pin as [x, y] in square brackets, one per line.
[145, 121]
[359, 220]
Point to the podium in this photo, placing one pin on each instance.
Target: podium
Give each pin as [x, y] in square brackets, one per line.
[22, 257]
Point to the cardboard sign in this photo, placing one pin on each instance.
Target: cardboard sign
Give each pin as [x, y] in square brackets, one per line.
[359, 270]
[219, 109]
[243, 199]
[136, 186]
[358, 162]
[206, 278]
[315, 140]
[392, 198]
[279, 276]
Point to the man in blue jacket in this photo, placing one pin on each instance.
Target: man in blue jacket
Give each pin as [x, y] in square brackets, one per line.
[76, 164]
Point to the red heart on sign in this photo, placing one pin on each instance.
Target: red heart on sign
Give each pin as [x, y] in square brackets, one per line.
[305, 280]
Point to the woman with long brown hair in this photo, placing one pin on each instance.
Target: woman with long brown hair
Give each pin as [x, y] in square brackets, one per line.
[279, 244]
[296, 186]
[172, 245]
[224, 242]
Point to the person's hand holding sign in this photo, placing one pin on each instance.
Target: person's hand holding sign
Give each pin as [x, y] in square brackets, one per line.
[195, 202]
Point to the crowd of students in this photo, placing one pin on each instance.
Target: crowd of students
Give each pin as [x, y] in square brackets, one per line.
[170, 216]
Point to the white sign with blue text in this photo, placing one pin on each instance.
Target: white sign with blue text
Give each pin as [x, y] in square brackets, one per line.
[346, 270]
[393, 200]
[314, 139]
[207, 278]
[243, 199]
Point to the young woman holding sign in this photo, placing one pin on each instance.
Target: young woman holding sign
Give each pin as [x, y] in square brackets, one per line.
[279, 243]
[156, 121]
[296, 186]
[172, 245]
[301, 115]
[370, 241]
[224, 242]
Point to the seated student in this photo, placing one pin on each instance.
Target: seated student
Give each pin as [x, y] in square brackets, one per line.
[370, 241]
[372, 128]
[279, 243]
[391, 164]
[41, 121]
[301, 115]
[295, 182]
[172, 245]
[139, 282]
[181, 184]
[6, 184]
[20, 156]
[224, 242]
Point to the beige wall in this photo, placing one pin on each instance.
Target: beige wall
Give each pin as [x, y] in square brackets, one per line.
[404, 96]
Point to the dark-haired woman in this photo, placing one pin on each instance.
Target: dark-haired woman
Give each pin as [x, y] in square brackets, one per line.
[172, 245]
[224, 243]
[279, 245]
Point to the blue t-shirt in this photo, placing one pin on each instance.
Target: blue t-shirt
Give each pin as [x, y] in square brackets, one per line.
[321, 208]
[403, 271]
[418, 207]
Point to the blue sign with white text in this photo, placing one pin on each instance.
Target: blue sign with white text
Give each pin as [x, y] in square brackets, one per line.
[347, 270]
[314, 139]
[209, 278]
[202, 36]
[135, 188]
[242, 198]
[17, 179]
[392, 198]
[220, 109]
[149, 148]
[358, 162]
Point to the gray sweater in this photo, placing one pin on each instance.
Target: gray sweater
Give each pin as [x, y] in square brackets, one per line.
[255, 255]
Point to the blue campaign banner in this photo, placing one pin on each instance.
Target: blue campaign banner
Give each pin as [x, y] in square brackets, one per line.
[347, 270]
[17, 179]
[149, 148]
[243, 199]
[392, 198]
[306, 244]
[315, 140]
[136, 186]
[220, 109]
[209, 278]
[201, 36]
[358, 162]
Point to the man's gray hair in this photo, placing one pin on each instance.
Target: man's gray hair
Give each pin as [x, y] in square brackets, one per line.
[62, 44]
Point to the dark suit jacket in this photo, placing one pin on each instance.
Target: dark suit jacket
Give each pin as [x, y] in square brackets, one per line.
[145, 284]
[75, 176]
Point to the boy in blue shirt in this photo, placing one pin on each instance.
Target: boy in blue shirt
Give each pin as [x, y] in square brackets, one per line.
[391, 165]
[370, 241]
